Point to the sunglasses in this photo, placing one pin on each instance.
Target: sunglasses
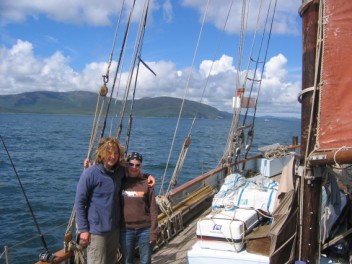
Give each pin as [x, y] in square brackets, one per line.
[134, 165]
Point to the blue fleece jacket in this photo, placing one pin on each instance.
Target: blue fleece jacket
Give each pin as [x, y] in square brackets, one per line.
[97, 202]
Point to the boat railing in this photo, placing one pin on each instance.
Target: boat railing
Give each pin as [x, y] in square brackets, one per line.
[213, 178]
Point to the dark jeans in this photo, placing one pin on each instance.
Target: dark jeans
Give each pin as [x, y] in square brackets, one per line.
[132, 237]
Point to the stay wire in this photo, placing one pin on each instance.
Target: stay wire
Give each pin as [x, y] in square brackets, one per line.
[25, 196]
[270, 21]
[139, 47]
[161, 191]
[123, 46]
[187, 143]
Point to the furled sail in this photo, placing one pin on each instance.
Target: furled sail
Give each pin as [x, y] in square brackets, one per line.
[334, 128]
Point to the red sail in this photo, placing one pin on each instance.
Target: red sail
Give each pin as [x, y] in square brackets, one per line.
[335, 113]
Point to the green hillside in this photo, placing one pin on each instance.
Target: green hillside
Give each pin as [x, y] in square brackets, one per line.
[84, 103]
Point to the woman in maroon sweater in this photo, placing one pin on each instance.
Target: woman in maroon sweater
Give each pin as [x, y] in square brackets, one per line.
[139, 222]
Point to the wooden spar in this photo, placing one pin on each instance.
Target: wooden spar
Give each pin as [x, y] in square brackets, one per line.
[340, 156]
[309, 243]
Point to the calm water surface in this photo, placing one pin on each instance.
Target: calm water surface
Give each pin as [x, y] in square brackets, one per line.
[48, 151]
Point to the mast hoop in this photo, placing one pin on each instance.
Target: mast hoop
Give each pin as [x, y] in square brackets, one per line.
[306, 90]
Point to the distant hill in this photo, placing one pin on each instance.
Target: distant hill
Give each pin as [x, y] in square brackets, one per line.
[84, 103]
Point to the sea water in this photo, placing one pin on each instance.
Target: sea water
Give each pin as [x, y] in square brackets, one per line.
[47, 153]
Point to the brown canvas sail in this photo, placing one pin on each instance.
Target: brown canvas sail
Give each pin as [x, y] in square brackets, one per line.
[334, 126]
[326, 107]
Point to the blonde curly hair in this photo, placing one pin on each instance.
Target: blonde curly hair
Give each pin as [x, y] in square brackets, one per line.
[107, 146]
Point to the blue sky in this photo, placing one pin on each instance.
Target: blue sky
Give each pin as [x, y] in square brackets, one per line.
[65, 46]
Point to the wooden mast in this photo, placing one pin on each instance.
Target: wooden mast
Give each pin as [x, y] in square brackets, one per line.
[309, 246]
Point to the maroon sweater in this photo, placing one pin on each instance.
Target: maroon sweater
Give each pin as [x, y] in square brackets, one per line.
[139, 206]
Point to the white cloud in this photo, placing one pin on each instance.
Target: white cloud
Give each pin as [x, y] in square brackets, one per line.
[167, 11]
[100, 13]
[21, 72]
[278, 92]
[223, 64]
[90, 12]
[285, 22]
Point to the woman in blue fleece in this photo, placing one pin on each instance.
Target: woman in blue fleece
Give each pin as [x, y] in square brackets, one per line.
[97, 203]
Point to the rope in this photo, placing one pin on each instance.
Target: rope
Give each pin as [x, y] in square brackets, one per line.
[209, 73]
[280, 151]
[179, 163]
[256, 67]
[116, 74]
[229, 238]
[164, 205]
[78, 255]
[77, 252]
[233, 136]
[41, 236]
[122, 50]
[96, 121]
[185, 147]
[71, 222]
[241, 41]
[137, 55]
[244, 14]
[131, 71]
[251, 135]
[103, 90]
[237, 139]
[114, 42]
[183, 100]
[335, 154]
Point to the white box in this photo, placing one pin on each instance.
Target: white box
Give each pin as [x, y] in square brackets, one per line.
[199, 255]
[225, 230]
[271, 167]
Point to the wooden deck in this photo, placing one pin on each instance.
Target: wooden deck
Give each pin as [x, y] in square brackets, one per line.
[176, 250]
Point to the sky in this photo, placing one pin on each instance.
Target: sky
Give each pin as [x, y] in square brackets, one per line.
[65, 45]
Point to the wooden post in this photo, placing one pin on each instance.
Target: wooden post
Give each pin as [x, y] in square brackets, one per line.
[310, 226]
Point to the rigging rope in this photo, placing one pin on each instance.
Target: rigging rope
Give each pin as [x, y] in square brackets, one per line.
[237, 138]
[72, 245]
[104, 90]
[115, 76]
[183, 100]
[233, 147]
[241, 42]
[42, 239]
[250, 138]
[117, 68]
[138, 53]
[187, 142]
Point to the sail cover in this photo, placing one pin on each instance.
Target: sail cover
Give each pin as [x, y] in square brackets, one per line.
[335, 126]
